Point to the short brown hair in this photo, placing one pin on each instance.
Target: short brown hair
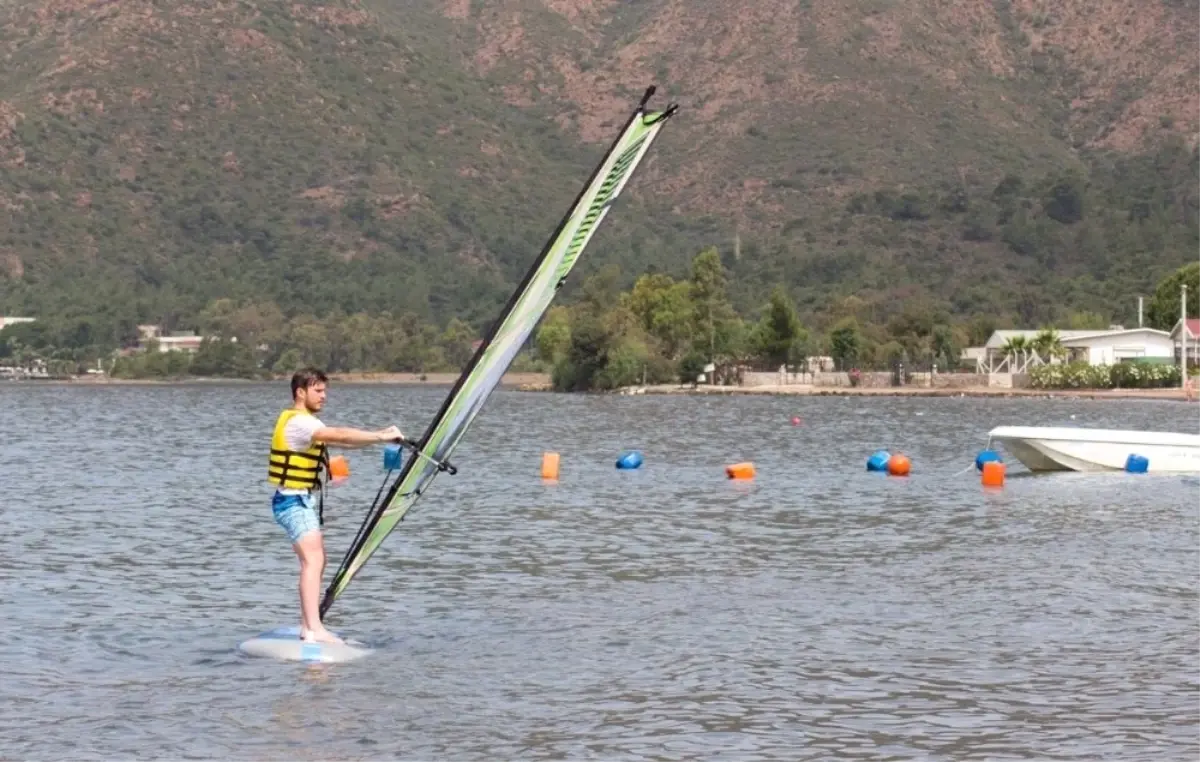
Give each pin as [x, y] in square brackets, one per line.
[306, 377]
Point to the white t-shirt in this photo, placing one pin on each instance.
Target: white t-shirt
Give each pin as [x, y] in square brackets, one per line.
[298, 433]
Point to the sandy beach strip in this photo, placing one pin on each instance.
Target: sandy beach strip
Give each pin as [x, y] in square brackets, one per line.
[914, 391]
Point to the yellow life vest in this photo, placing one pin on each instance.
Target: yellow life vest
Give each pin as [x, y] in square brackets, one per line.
[294, 469]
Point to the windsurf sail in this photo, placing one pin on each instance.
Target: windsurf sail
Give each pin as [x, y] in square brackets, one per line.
[526, 306]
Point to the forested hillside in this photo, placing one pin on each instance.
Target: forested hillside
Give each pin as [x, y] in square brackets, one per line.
[1008, 161]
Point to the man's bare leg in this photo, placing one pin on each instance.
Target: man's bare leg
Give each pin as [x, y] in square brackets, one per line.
[311, 550]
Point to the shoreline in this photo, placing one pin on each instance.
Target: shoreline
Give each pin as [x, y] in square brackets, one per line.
[507, 381]
[806, 390]
[540, 382]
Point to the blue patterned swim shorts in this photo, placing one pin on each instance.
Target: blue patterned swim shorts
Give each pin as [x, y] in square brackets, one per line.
[297, 514]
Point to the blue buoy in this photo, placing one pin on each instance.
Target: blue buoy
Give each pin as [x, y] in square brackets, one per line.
[878, 460]
[629, 459]
[986, 456]
[393, 457]
[1137, 464]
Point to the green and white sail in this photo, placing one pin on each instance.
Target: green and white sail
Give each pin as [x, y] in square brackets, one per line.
[526, 306]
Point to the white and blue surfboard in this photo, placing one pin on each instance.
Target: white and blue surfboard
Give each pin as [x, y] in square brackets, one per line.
[285, 643]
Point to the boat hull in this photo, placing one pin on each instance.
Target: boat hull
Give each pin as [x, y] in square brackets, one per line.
[1071, 449]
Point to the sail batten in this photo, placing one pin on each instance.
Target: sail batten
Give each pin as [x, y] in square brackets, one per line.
[507, 335]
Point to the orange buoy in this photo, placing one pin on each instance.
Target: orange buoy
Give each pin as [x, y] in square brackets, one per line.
[898, 465]
[339, 469]
[740, 471]
[993, 474]
[550, 466]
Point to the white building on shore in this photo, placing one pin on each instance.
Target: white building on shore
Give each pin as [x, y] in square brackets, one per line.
[175, 341]
[1096, 347]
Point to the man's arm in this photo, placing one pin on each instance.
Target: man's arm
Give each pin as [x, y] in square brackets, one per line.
[348, 437]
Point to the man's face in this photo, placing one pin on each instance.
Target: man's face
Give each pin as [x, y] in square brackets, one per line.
[313, 398]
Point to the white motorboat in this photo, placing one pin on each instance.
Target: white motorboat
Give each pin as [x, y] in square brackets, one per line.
[1043, 448]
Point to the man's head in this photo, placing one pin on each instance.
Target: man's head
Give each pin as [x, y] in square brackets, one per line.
[308, 389]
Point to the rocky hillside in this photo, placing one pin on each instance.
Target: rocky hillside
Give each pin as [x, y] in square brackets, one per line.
[1006, 157]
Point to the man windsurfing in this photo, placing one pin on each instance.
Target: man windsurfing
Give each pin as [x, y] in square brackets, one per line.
[298, 455]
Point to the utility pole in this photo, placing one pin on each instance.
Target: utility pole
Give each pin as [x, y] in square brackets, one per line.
[1183, 337]
[1139, 312]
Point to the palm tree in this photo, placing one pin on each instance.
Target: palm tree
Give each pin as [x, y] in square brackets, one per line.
[1015, 347]
[1048, 343]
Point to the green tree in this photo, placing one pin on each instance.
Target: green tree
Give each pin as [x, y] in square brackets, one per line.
[626, 359]
[1163, 312]
[553, 337]
[708, 294]
[257, 323]
[1047, 343]
[845, 343]
[981, 222]
[779, 338]
[289, 362]
[1016, 347]
[718, 330]
[1064, 199]
[456, 343]
[601, 291]
[225, 358]
[979, 329]
[359, 339]
[310, 338]
[607, 347]
[690, 367]
[887, 355]
[946, 347]
[1007, 196]
[216, 319]
[1084, 320]
[665, 309]
[915, 321]
[413, 347]
[586, 356]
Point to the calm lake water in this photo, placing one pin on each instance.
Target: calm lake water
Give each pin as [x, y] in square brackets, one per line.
[819, 612]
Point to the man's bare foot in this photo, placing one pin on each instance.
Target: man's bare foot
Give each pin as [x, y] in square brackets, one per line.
[319, 636]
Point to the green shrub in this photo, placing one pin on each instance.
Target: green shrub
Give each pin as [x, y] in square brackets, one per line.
[1125, 375]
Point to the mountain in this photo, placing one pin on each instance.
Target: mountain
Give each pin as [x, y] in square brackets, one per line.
[1010, 158]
